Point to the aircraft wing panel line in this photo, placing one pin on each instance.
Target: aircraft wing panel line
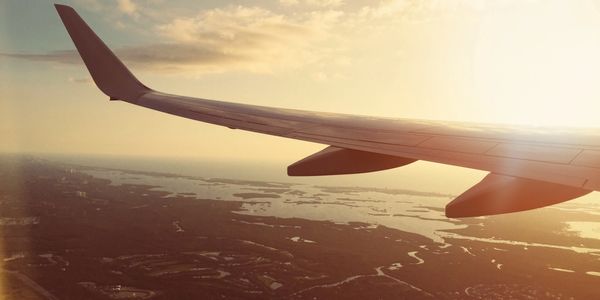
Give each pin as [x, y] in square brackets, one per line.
[587, 157]
[481, 162]
[334, 120]
[286, 115]
[412, 152]
[314, 124]
[519, 134]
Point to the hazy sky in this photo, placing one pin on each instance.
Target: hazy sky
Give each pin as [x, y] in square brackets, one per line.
[535, 62]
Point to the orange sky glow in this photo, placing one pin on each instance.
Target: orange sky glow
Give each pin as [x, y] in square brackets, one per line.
[517, 62]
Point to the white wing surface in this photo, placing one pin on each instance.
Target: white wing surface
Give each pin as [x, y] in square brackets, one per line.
[529, 167]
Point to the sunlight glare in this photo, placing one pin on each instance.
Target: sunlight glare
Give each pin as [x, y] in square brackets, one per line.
[540, 65]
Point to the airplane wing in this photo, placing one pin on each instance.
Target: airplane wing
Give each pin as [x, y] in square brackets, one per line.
[529, 167]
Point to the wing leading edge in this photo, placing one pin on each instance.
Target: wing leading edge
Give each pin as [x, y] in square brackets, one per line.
[529, 167]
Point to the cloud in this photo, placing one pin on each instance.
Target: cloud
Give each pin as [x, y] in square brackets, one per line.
[251, 38]
[235, 38]
[80, 80]
[93, 5]
[315, 3]
[163, 57]
[324, 3]
[289, 2]
[255, 39]
[63, 56]
[127, 7]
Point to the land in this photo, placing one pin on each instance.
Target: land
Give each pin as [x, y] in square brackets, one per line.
[68, 235]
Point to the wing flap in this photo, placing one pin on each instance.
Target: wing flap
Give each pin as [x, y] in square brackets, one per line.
[498, 194]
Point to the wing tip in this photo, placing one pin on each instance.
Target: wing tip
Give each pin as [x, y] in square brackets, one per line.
[110, 75]
[63, 8]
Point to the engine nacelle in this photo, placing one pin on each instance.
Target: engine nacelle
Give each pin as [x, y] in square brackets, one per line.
[336, 161]
[499, 194]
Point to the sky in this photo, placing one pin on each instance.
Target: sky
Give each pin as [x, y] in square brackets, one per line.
[492, 61]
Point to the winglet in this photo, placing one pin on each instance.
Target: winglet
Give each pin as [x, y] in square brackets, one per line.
[109, 73]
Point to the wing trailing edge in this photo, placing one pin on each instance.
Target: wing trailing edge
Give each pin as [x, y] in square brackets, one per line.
[498, 194]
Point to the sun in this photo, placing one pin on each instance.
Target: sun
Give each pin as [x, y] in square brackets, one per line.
[540, 64]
